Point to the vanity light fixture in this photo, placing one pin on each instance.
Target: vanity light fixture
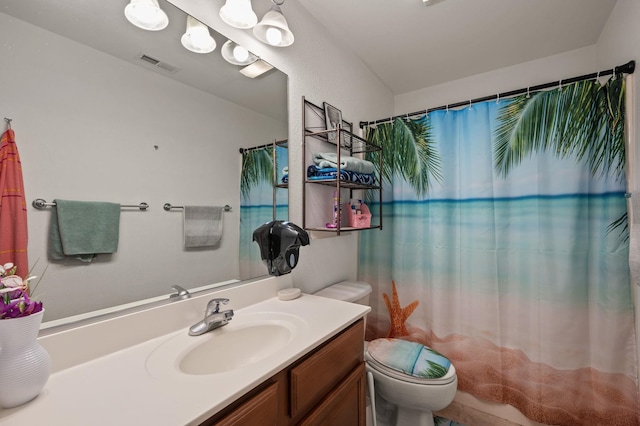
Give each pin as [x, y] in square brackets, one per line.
[197, 37]
[238, 14]
[236, 54]
[273, 28]
[146, 14]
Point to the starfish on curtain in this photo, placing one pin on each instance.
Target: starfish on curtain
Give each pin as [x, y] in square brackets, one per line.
[397, 314]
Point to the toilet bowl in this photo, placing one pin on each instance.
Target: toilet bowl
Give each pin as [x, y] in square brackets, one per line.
[413, 395]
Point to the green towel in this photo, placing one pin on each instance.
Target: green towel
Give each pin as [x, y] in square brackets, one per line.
[82, 230]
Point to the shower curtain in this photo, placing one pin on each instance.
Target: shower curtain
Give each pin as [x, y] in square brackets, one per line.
[505, 248]
[257, 202]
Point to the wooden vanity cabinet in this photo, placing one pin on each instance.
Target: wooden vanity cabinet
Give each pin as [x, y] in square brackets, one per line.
[325, 387]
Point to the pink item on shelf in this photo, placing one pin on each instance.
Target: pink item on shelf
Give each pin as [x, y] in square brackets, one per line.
[360, 218]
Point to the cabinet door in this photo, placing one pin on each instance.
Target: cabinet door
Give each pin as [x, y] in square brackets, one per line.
[259, 410]
[344, 406]
[318, 374]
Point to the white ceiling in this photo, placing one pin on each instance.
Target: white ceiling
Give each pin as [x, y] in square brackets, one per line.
[410, 46]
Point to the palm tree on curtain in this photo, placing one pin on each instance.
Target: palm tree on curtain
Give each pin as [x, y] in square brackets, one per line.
[257, 167]
[408, 149]
[584, 120]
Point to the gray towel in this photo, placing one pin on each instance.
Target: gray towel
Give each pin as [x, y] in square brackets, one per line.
[352, 164]
[82, 230]
[202, 226]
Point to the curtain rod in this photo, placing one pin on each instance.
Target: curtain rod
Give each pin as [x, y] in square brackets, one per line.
[627, 68]
[266, 145]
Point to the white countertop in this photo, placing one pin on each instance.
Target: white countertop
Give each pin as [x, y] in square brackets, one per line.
[118, 388]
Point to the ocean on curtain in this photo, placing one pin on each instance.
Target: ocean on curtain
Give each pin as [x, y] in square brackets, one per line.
[505, 248]
[256, 202]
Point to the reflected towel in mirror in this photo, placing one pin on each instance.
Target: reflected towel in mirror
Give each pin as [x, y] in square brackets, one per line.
[202, 225]
[83, 229]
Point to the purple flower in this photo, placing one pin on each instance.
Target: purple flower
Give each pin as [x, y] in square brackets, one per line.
[14, 295]
[19, 307]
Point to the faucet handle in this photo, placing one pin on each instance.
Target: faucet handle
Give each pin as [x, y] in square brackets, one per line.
[182, 293]
[213, 307]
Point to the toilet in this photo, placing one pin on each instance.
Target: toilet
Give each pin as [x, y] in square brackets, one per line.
[395, 370]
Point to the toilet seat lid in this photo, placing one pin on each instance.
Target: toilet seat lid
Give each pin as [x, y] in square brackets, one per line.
[409, 361]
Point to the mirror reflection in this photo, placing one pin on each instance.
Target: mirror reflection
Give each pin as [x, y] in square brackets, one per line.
[105, 111]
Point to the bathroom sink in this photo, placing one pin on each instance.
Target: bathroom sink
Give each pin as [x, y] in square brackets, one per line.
[245, 340]
[233, 348]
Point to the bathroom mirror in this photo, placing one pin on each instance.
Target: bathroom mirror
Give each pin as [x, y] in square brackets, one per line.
[105, 111]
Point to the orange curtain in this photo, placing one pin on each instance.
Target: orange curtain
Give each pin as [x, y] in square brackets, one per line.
[13, 208]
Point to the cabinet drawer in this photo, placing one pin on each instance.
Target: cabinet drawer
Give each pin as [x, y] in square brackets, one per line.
[258, 410]
[320, 372]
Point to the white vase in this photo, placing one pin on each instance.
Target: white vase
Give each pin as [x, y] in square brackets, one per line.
[24, 364]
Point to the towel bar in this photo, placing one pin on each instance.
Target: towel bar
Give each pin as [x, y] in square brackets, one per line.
[168, 207]
[41, 204]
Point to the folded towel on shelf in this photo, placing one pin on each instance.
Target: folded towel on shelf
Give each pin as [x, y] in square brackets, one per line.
[328, 173]
[83, 229]
[352, 164]
[202, 226]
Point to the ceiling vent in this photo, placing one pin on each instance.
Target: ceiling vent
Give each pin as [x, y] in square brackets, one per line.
[156, 63]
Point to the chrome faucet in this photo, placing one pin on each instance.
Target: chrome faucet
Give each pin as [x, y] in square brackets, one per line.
[213, 318]
[181, 294]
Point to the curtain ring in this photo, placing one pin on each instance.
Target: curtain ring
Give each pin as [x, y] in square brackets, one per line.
[528, 92]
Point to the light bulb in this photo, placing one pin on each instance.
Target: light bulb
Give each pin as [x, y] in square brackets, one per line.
[200, 36]
[240, 53]
[197, 37]
[238, 14]
[273, 28]
[146, 14]
[274, 36]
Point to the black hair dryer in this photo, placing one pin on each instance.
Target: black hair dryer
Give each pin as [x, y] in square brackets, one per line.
[279, 243]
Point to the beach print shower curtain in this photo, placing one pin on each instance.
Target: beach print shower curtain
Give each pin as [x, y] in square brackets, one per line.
[505, 248]
[257, 202]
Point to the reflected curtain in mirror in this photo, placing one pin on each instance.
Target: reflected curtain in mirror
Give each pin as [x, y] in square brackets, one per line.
[263, 197]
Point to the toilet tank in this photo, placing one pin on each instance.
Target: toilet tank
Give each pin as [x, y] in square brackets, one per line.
[348, 291]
